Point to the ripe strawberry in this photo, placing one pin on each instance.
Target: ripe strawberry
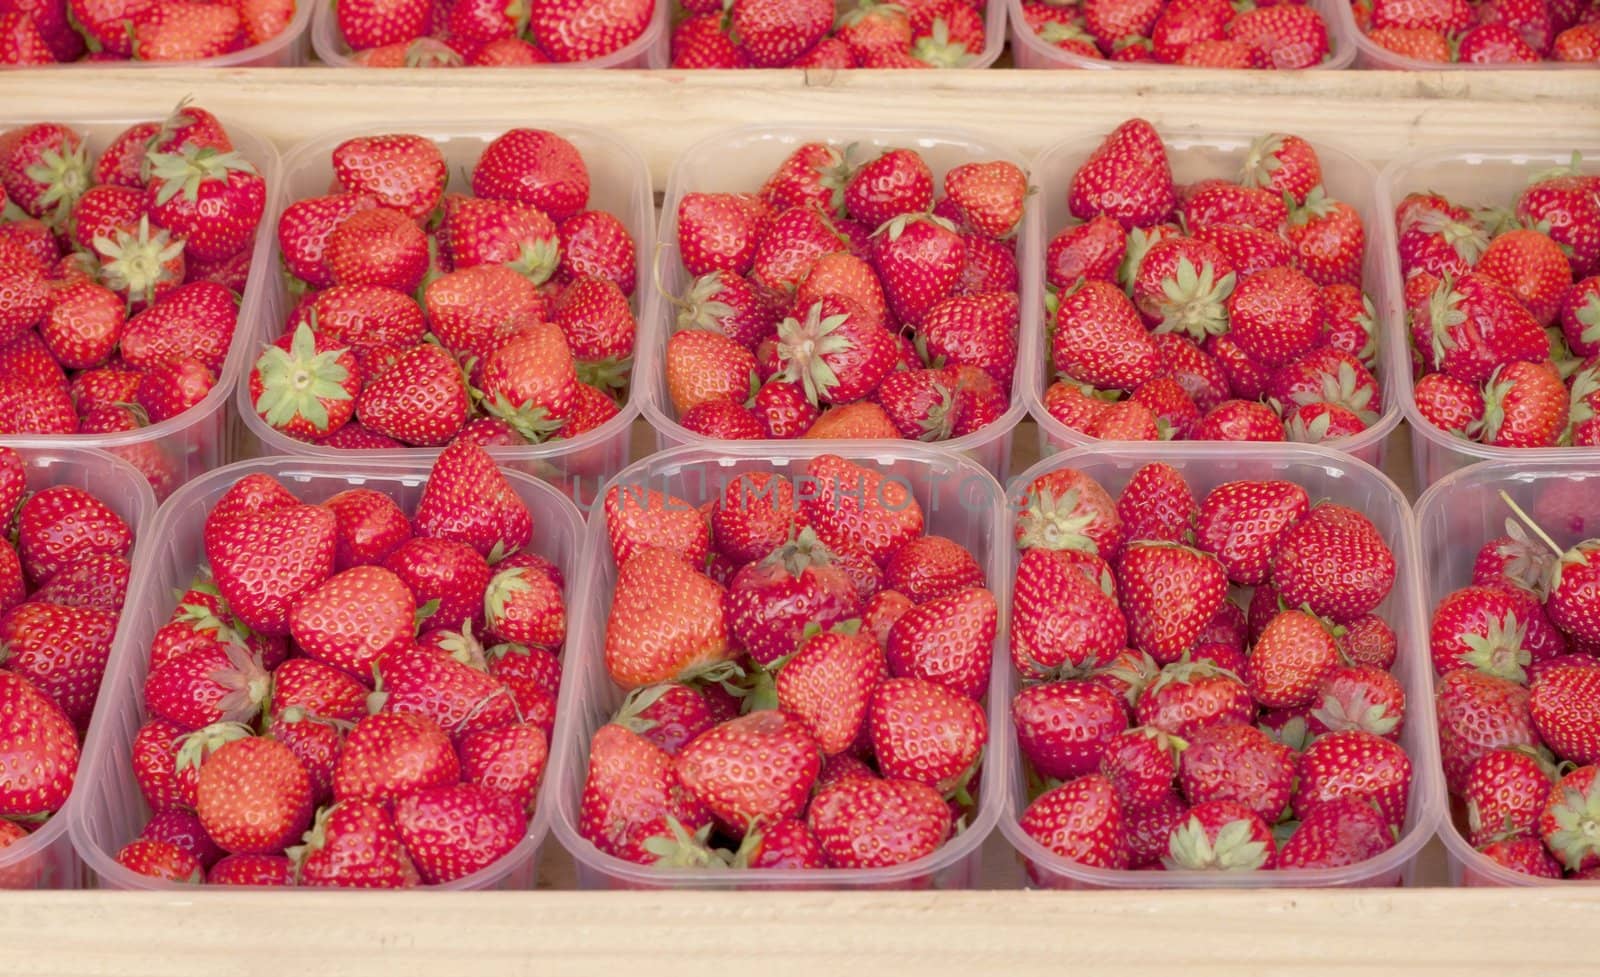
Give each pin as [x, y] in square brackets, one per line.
[769, 605]
[161, 860]
[1222, 53]
[1221, 836]
[454, 830]
[973, 330]
[300, 540]
[452, 573]
[43, 749]
[703, 366]
[391, 754]
[1346, 831]
[1182, 25]
[862, 822]
[1065, 613]
[828, 685]
[1064, 728]
[1099, 339]
[1289, 660]
[1474, 325]
[1562, 706]
[84, 322]
[715, 769]
[1182, 284]
[1142, 764]
[536, 167]
[1477, 713]
[61, 650]
[1241, 764]
[1450, 404]
[184, 831]
[835, 353]
[1157, 505]
[1082, 821]
[919, 259]
[854, 509]
[897, 182]
[44, 167]
[1335, 561]
[1563, 200]
[1283, 164]
[1581, 42]
[1352, 763]
[1189, 697]
[1506, 792]
[1244, 523]
[1571, 819]
[375, 23]
[468, 500]
[924, 732]
[62, 524]
[354, 844]
[509, 760]
[1066, 509]
[303, 232]
[1290, 36]
[630, 793]
[989, 196]
[640, 518]
[99, 582]
[648, 641]
[212, 200]
[1364, 697]
[1127, 177]
[253, 796]
[1092, 250]
[1275, 316]
[1169, 593]
[719, 232]
[930, 567]
[775, 34]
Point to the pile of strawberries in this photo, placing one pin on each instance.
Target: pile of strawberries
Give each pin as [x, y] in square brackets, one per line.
[1169, 725]
[843, 301]
[38, 32]
[62, 586]
[816, 34]
[1484, 293]
[1282, 34]
[1218, 310]
[1518, 701]
[320, 711]
[806, 671]
[426, 317]
[120, 277]
[1483, 31]
[452, 33]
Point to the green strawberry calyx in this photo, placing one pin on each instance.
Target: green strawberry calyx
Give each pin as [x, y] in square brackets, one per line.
[299, 381]
[187, 169]
[1236, 848]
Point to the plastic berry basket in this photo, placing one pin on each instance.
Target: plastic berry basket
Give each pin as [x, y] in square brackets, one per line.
[994, 37]
[739, 160]
[288, 49]
[202, 437]
[960, 500]
[1372, 55]
[1474, 177]
[328, 41]
[1028, 51]
[1199, 156]
[1457, 515]
[619, 183]
[1324, 474]
[113, 811]
[46, 859]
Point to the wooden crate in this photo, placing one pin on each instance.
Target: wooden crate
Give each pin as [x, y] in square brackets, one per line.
[1493, 933]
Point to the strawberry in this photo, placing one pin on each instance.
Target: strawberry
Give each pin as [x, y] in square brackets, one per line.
[301, 540]
[1064, 728]
[1142, 764]
[1221, 836]
[719, 232]
[924, 732]
[479, 231]
[1244, 523]
[1477, 713]
[1190, 696]
[163, 783]
[768, 605]
[703, 366]
[253, 870]
[1476, 324]
[919, 259]
[1563, 200]
[702, 41]
[1574, 586]
[380, 246]
[468, 500]
[1561, 704]
[1289, 659]
[1169, 593]
[836, 354]
[1127, 177]
[1113, 20]
[371, 527]
[1082, 821]
[828, 686]
[989, 195]
[44, 167]
[405, 172]
[253, 796]
[1241, 764]
[973, 330]
[1525, 855]
[305, 386]
[895, 183]
[42, 748]
[1571, 818]
[62, 524]
[1442, 15]
[210, 199]
[1335, 561]
[374, 23]
[1580, 42]
[99, 582]
[1352, 763]
[1532, 266]
[1283, 164]
[1099, 339]
[524, 606]
[1346, 831]
[862, 822]
[630, 793]
[648, 641]
[354, 844]
[1222, 53]
[1289, 35]
[1092, 250]
[303, 231]
[1275, 315]
[930, 567]
[1182, 25]
[1506, 792]
[1066, 509]
[774, 34]
[83, 324]
[509, 760]
[1484, 627]
[640, 518]
[716, 769]
[576, 31]
[1525, 405]
[857, 510]
[1450, 404]
[755, 514]
[161, 860]
[535, 167]
[21, 43]
[1064, 613]
[1157, 505]
[392, 754]
[1182, 284]
[1364, 697]
[183, 830]
[61, 650]
[1418, 43]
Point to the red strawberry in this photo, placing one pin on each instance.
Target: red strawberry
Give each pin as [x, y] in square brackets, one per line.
[212, 200]
[897, 182]
[1188, 697]
[536, 167]
[774, 34]
[1506, 792]
[1283, 164]
[61, 650]
[769, 605]
[1064, 614]
[1335, 561]
[717, 769]
[1563, 708]
[1099, 339]
[454, 830]
[1127, 177]
[300, 540]
[1156, 504]
[630, 793]
[1241, 764]
[1244, 523]
[1352, 763]
[1289, 659]
[639, 518]
[1066, 509]
[1571, 819]
[370, 527]
[468, 500]
[862, 822]
[182, 829]
[454, 574]
[1142, 764]
[1478, 713]
[303, 232]
[988, 195]
[828, 685]
[1221, 836]
[62, 524]
[1082, 821]
[509, 760]
[354, 844]
[1064, 728]
[835, 353]
[1291, 36]
[1275, 316]
[42, 748]
[405, 172]
[391, 754]
[1169, 593]
[855, 509]
[973, 330]
[1091, 250]
[253, 796]
[719, 232]
[665, 621]
[1563, 200]
[924, 732]
[480, 231]
[930, 567]
[1182, 284]
[44, 167]
[1364, 697]
[1475, 324]
[380, 246]
[161, 860]
[1525, 406]
[1346, 831]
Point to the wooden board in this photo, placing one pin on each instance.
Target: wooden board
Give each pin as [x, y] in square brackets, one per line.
[1460, 933]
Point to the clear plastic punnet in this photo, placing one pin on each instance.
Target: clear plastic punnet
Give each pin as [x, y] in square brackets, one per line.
[959, 499]
[288, 49]
[1455, 517]
[619, 183]
[1028, 51]
[740, 160]
[1372, 55]
[1324, 474]
[113, 811]
[328, 41]
[46, 859]
[994, 37]
[1200, 156]
[1472, 178]
[204, 436]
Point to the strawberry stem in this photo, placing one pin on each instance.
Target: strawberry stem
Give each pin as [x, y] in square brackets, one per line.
[1531, 524]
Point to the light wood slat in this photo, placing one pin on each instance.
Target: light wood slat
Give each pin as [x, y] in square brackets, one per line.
[1379, 114]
